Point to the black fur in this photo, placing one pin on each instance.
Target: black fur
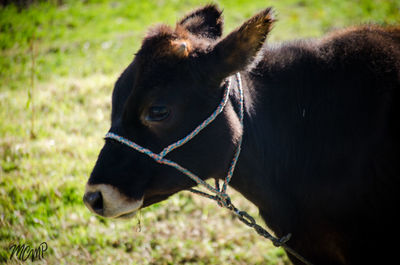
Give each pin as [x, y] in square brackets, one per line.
[321, 150]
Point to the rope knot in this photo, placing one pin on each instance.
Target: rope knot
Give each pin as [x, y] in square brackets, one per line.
[223, 200]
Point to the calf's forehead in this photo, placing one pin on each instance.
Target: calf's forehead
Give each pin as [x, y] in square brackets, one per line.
[166, 58]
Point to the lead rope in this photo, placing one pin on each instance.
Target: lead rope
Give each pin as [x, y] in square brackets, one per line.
[221, 197]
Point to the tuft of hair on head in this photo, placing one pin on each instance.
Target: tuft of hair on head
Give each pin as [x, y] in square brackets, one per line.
[195, 32]
[162, 41]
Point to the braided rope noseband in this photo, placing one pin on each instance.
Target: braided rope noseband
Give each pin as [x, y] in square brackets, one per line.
[220, 196]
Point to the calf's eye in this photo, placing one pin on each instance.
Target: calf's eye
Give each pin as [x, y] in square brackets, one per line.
[157, 113]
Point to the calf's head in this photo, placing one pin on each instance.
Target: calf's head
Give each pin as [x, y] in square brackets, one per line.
[172, 85]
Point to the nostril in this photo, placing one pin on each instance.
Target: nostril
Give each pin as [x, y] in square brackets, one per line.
[94, 200]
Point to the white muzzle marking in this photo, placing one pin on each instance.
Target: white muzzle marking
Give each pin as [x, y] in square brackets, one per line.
[115, 204]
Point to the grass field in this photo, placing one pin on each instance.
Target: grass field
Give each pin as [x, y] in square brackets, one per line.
[58, 64]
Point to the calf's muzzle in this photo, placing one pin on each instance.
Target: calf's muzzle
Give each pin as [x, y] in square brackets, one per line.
[108, 201]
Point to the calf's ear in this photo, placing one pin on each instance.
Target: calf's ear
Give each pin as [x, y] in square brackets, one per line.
[234, 52]
[204, 22]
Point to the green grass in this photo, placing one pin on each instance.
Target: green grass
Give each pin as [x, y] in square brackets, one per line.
[79, 49]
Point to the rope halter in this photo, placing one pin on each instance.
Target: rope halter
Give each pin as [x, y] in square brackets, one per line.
[218, 194]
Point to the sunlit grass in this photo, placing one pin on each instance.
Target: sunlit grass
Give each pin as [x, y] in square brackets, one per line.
[79, 49]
